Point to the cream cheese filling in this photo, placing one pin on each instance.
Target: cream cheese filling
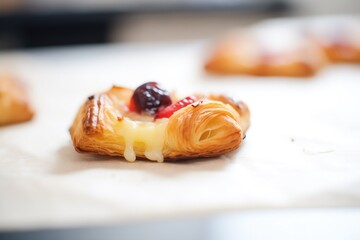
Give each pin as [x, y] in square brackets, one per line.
[143, 134]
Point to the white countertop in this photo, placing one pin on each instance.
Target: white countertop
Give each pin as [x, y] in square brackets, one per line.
[302, 149]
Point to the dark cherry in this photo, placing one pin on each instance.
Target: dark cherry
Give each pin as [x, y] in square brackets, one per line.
[149, 98]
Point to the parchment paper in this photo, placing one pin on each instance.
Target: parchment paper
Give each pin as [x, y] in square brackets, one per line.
[302, 149]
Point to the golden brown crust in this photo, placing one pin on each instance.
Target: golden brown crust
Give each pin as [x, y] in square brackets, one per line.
[239, 106]
[339, 50]
[210, 127]
[14, 102]
[243, 54]
[92, 115]
[93, 128]
[339, 54]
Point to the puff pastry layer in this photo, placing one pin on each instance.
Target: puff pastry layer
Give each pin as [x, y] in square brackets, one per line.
[14, 102]
[210, 127]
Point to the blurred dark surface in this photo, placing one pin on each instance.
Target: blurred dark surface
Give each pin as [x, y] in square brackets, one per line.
[49, 29]
[28, 27]
[288, 224]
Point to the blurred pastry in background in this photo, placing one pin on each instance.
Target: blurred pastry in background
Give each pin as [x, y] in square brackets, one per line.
[14, 102]
[270, 49]
[338, 37]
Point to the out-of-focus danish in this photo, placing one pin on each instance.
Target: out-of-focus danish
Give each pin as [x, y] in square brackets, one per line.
[14, 102]
[338, 37]
[147, 123]
[266, 50]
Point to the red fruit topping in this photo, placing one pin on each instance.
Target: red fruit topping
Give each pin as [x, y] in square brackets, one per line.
[169, 110]
[149, 98]
[132, 105]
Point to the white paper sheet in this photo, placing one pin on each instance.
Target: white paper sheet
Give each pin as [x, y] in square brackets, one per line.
[302, 149]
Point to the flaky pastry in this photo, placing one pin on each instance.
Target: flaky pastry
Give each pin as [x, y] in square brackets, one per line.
[210, 126]
[14, 102]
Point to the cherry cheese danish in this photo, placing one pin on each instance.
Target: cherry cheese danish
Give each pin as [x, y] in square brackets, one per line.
[147, 124]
